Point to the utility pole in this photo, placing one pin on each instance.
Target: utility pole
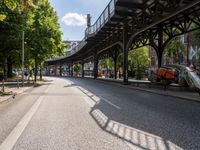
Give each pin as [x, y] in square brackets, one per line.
[22, 58]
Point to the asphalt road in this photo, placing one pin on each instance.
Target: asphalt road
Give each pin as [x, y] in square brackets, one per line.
[84, 114]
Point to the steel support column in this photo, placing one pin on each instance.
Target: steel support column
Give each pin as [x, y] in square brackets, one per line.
[69, 69]
[60, 70]
[72, 70]
[83, 73]
[125, 53]
[55, 69]
[95, 66]
[115, 64]
[160, 47]
[158, 44]
[47, 70]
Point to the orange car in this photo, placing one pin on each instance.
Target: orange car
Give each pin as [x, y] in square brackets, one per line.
[167, 73]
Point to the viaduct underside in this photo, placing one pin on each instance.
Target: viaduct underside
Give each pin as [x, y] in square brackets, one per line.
[126, 25]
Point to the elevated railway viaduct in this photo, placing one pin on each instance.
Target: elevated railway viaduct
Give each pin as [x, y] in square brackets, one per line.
[125, 25]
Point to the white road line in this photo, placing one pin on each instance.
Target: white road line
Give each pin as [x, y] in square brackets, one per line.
[12, 138]
[102, 98]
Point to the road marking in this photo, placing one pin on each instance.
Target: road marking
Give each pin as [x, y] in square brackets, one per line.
[12, 138]
[89, 94]
[102, 98]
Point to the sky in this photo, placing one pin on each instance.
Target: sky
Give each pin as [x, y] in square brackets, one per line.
[72, 15]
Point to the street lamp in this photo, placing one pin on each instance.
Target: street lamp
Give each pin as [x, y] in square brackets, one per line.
[22, 58]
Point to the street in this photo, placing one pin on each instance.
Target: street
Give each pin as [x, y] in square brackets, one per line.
[86, 114]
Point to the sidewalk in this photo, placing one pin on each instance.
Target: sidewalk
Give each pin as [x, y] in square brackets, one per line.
[13, 83]
[143, 85]
[13, 91]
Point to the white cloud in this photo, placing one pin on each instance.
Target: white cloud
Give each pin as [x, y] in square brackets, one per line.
[74, 19]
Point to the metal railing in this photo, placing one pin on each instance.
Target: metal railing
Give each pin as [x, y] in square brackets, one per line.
[92, 30]
[102, 20]
[78, 47]
[72, 52]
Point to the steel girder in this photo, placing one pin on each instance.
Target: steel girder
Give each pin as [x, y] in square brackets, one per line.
[179, 24]
[150, 16]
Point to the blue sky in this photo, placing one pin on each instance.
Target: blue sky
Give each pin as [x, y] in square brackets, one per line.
[72, 15]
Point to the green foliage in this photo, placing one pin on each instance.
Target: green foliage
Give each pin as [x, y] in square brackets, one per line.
[11, 4]
[107, 63]
[42, 32]
[2, 17]
[45, 38]
[10, 38]
[77, 68]
[194, 37]
[138, 61]
[174, 48]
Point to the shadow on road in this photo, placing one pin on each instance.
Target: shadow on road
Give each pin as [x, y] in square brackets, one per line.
[140, 131]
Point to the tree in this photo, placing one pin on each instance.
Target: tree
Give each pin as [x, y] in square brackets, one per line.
[42, 33]
[107, 63]
[10, 37]
[174, 49]
[138, 62]
[194, 37]
[11, 5]
[77, 68]
[45, 36]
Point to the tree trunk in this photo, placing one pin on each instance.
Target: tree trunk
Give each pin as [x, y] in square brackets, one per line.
[9, 68]
[40, 73]
[5, 69]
